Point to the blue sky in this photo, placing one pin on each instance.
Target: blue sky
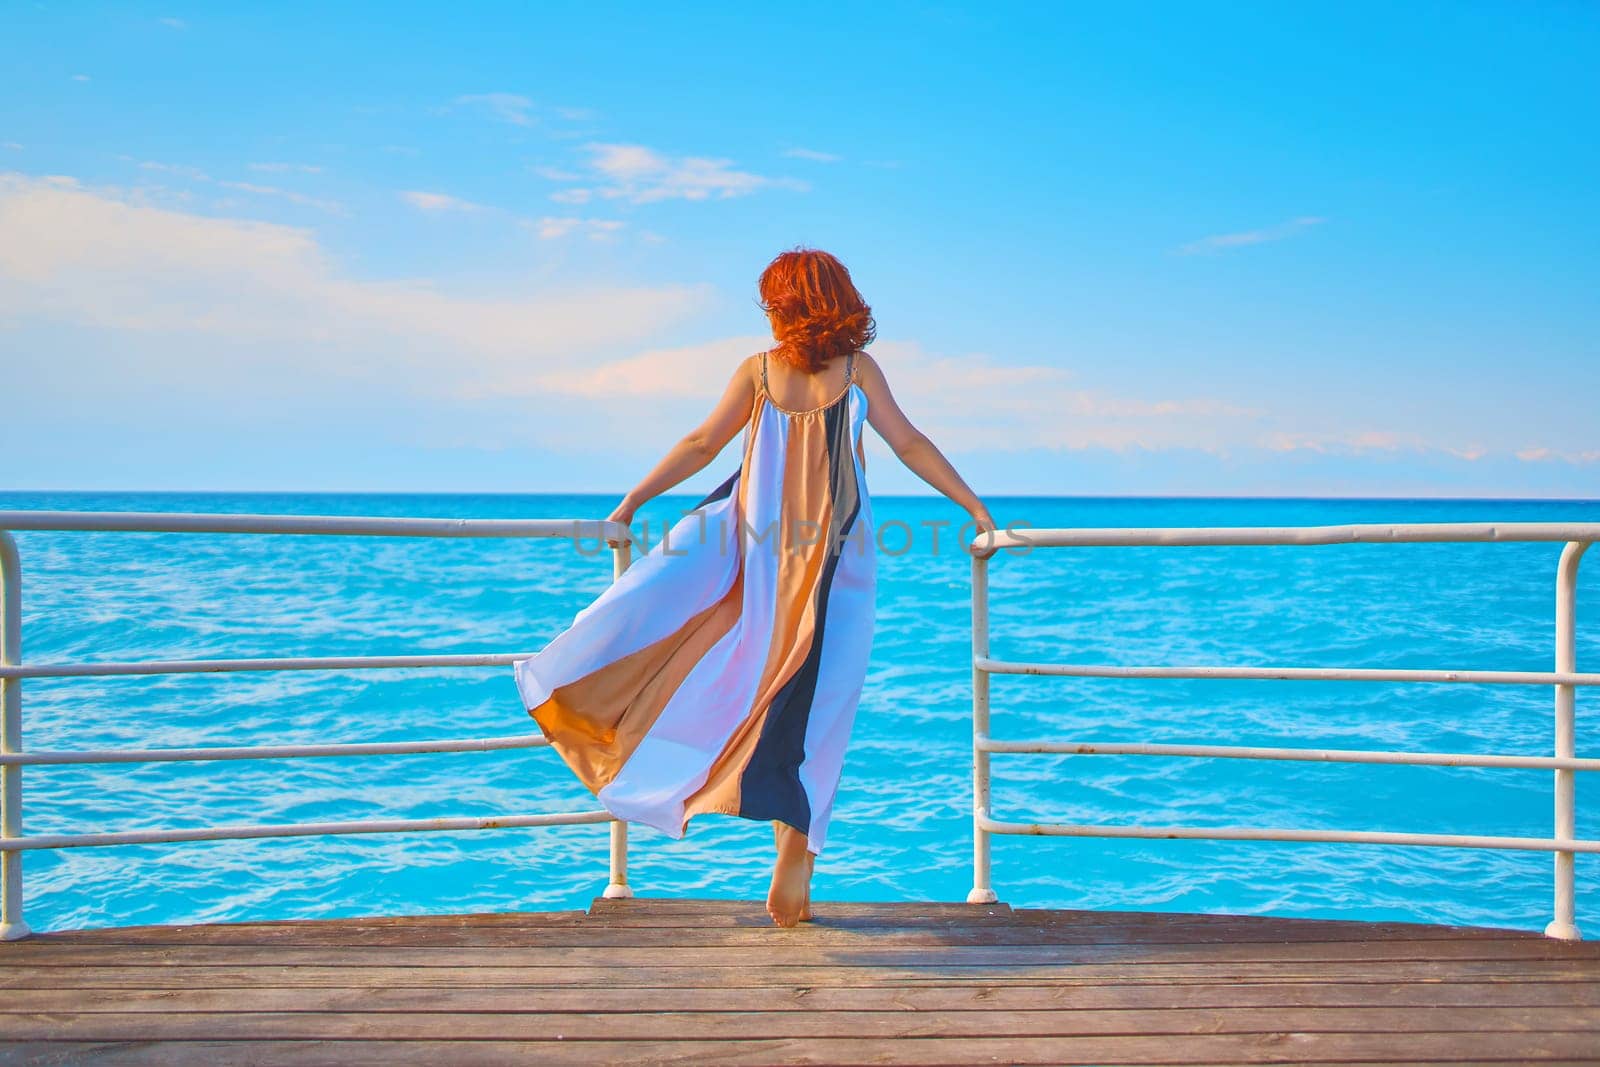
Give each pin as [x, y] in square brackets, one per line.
[1221, 249]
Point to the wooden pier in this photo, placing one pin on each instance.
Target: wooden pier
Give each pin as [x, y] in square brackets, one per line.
[710, 981]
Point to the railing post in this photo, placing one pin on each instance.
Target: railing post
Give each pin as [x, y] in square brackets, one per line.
[982, 892]
[617, 883]
[1564, 925]
[12, 926]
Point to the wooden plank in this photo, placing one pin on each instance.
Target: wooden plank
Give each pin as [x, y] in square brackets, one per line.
[706, 906]
[596, 935]
[1245, 926]
[796, 953]
[1286, 1046]
[1146, 916]
[724, 1025]
[759, 919]
[667, 925]
[491, 918]
[752, 915]
[179, 975]
[892, 911]
[948, 998]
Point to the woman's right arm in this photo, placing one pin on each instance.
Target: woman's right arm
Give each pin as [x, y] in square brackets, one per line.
[914, 448]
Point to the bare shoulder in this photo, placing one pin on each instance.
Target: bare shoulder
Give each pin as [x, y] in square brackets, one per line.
[883, 411]
[869, 370]
[749, 370]
[871, 377]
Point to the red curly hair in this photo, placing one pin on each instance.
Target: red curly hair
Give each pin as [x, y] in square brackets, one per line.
[818, 314]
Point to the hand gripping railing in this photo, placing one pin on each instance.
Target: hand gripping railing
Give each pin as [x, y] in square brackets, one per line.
[13, 843]
[1565, 679]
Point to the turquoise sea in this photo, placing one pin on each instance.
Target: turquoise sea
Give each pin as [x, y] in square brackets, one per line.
[901, 828]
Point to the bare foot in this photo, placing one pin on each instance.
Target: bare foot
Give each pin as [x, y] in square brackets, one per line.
[811, 863]
[778, 830]
[786, 900]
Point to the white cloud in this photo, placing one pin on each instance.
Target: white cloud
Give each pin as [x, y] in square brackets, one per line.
[1279, 232]
[974, 402]
[1406, 442]
[518, 110]
[174, 24]
[438, 202]
[1552, 455]
[1348, 443]
[195, 174]
[551, 227]
[180, 170]
[507, 107]
[812, 155]
[80, 77]
[331, 206]
[12, 145]
[548, 227]
[642, 175]
[697, 371]
[99, 258]
[282, 168]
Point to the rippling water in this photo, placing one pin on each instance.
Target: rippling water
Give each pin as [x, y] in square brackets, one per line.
[901, 826]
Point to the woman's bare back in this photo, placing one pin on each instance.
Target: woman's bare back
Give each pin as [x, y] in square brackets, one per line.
[793, 390]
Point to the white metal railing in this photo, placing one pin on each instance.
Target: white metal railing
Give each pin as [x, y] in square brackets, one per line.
[1565, 680]
[13, 842]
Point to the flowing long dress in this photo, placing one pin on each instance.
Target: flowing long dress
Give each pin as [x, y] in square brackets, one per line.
[721, 671]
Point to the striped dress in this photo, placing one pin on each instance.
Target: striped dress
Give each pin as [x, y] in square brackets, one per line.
[721, 671]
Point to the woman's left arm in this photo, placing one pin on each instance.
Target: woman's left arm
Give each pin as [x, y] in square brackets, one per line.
[699, 446]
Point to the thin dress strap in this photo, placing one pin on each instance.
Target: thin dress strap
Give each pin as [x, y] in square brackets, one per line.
[764, 388]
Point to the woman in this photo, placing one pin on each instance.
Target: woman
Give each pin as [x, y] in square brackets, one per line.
[721, 671]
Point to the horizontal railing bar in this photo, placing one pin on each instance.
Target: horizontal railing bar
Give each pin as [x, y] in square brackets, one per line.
[1314, 755]
[227, 666]
[356, 525]
[985, 663]
[358, 748]
[239, 833]
[1252, 833]
[1322, 674]
[1428, 532]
